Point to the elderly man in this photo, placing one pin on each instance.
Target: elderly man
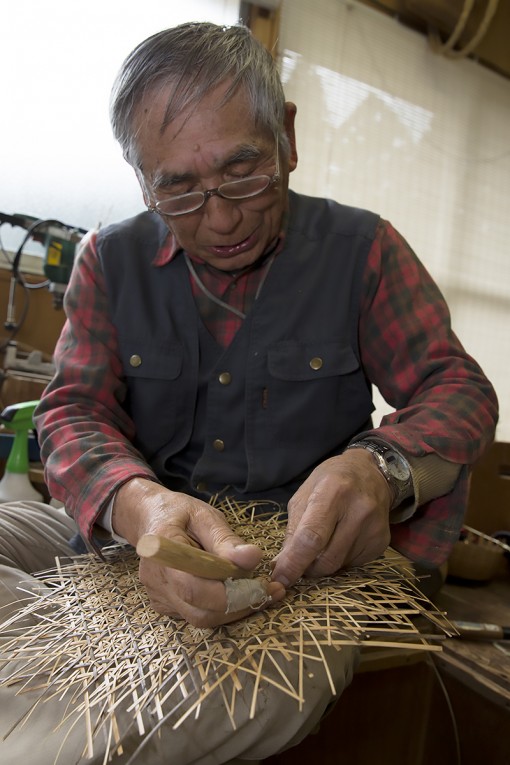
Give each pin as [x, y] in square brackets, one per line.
[226, 340]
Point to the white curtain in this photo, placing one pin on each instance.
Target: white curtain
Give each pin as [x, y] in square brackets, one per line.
[385, 123]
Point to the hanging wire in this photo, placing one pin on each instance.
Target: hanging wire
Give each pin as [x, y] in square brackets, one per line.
[447, 48]
[458, 757]
[14, 326]
[4, 251]
[435, 39]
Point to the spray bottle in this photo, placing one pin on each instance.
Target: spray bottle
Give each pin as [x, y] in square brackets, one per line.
[15, 483]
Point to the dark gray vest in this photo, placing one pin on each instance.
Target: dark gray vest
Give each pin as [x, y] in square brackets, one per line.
[295, 391]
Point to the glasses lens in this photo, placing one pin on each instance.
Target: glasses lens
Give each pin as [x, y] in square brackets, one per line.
[248, 187]
[184, 203]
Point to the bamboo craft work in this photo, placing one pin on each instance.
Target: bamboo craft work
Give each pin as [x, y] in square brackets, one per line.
[97, 638]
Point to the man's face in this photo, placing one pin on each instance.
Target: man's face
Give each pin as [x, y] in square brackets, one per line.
[202, 148]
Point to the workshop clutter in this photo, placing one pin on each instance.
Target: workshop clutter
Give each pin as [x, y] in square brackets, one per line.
[477, 557]
[23, 378]
[15, 483]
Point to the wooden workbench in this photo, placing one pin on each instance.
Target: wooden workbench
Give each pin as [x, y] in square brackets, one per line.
[483, 665]
[445, 708]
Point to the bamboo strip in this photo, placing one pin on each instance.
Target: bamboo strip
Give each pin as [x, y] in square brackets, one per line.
[97, 639]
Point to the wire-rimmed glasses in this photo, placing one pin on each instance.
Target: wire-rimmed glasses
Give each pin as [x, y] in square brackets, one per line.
[246, 188]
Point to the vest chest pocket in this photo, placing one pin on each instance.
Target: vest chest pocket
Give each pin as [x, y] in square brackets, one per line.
[292, 360]
[317, 397]
[158, 398]
[152, 362]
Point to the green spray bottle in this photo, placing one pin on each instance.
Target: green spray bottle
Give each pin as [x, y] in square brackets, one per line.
[15, 483]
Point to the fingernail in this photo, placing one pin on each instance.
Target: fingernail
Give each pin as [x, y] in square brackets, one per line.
[283, 580]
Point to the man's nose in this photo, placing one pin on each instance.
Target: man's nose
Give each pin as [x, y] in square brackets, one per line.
[222, 214]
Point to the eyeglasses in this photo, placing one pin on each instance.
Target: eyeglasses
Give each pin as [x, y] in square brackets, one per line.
[246, 188]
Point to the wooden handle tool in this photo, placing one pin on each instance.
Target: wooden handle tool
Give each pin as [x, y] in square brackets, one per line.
[481, 630]
[187, 558]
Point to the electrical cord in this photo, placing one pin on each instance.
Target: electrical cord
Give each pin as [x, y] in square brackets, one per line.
[4, 251]
[30, 232]
[431, 663]
[17, 326]
[18, 278]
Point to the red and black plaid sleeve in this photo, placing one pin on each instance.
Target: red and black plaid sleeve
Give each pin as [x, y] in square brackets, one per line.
[443, 401]
[84, 433]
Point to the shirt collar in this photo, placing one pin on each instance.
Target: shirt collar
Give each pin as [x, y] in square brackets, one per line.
[167, 251]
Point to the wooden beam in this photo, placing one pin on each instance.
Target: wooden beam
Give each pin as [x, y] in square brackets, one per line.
[265, 26]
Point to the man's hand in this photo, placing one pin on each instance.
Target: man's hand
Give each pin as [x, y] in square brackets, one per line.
[339, 517]
[143, 507]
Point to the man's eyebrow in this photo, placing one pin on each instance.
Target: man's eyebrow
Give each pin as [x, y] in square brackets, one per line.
[164, 180]
[246, 153]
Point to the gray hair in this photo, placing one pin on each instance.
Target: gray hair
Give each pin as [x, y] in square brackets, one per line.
[195, 58]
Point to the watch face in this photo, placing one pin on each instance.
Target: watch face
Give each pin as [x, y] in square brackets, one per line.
[397, 465]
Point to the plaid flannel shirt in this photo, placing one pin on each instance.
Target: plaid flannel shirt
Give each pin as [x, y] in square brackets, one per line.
[443, 402]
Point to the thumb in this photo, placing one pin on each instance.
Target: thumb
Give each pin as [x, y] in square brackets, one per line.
[217, 536]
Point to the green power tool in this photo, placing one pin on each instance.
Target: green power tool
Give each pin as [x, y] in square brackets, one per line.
[15, 483]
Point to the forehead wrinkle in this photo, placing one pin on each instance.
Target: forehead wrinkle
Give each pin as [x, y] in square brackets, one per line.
[246, 152]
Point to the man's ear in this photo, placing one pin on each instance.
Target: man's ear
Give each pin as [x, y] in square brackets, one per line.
[290, 116]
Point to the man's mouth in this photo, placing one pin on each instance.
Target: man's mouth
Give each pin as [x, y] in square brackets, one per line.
[231, 250]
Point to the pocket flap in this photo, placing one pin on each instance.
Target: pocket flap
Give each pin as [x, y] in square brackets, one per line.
[150, 360]
[291, 360]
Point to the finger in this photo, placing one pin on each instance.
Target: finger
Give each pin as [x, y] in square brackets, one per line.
[335, 556]
[205, 602]
[247, 593]
[199, 618]
[309, 539]
[349, 548]
[173, 592]
[236, 605]
[297, 505]
[216, 536]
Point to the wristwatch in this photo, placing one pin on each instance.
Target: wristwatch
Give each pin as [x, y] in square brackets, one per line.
[394, 467]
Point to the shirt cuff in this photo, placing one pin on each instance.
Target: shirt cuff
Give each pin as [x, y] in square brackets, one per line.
[432, 477]
[105, 521]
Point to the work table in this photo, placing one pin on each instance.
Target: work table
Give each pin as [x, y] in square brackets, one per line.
[483, 664]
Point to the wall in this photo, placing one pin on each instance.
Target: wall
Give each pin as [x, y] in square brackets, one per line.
[386, 124]
[43, 322]
[39, 331]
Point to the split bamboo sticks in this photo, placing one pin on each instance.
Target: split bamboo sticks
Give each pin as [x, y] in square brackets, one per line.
[96, 638]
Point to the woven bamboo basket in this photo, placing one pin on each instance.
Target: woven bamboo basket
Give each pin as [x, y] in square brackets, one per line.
[95, 637]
